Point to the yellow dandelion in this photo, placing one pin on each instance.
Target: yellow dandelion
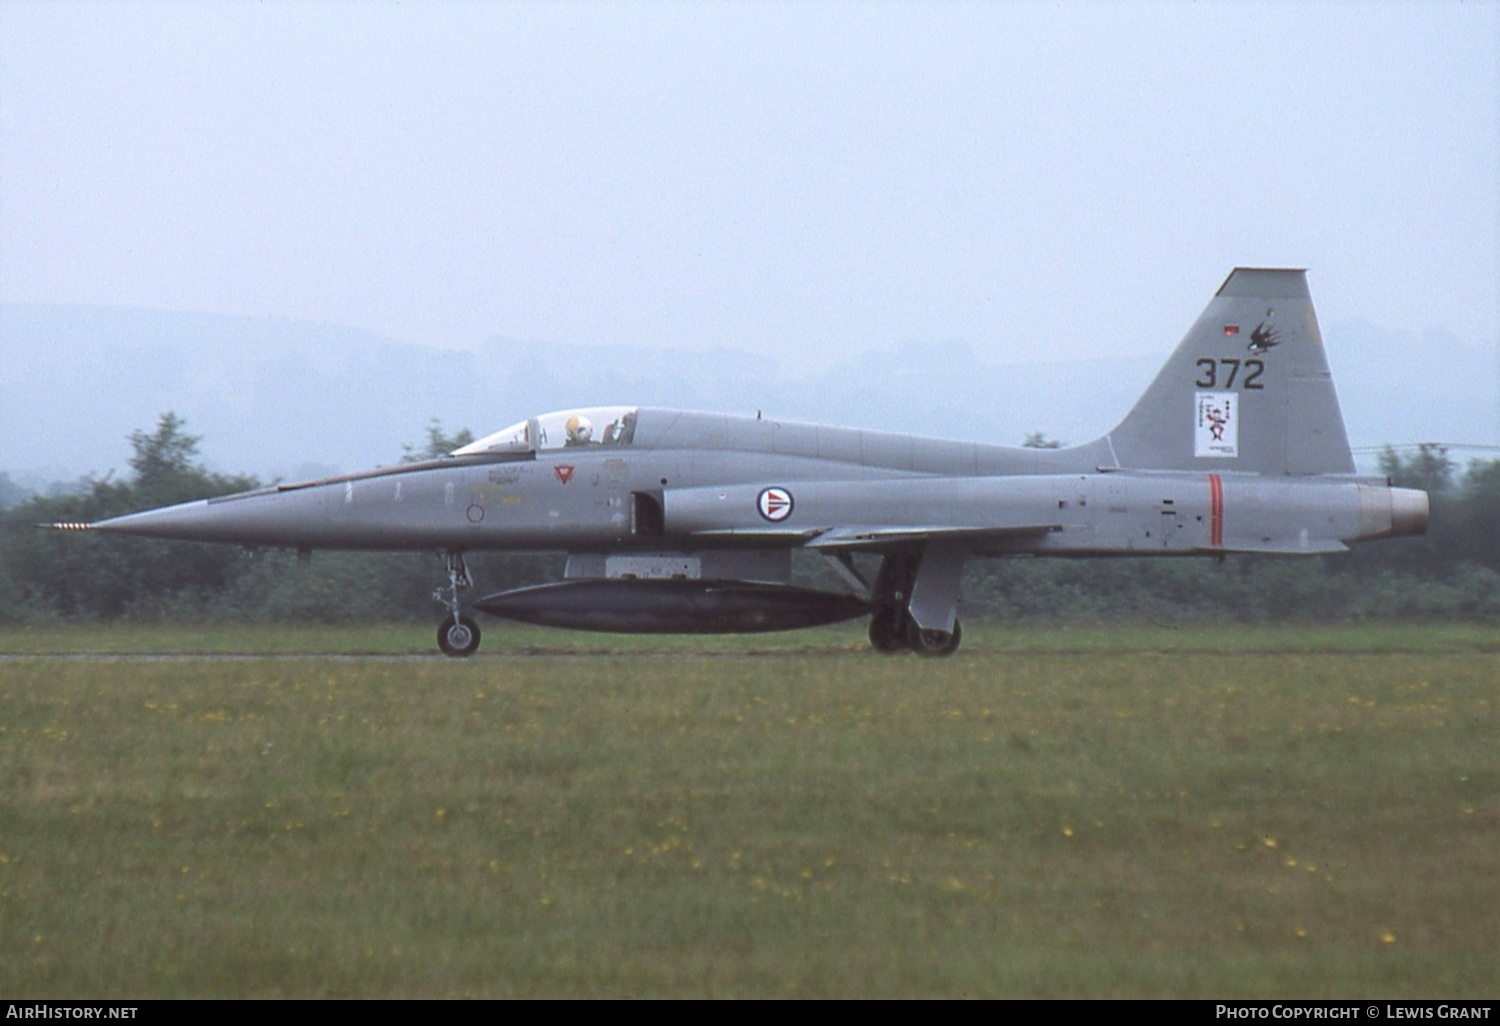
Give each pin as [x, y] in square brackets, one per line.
[1387, 937]
[1269, 842]
[1067, 831]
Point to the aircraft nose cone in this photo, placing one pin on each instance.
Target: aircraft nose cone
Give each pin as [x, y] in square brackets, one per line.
[188, 521]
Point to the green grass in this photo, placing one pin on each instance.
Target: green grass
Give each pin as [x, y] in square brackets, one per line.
[1100, 812]
[501, 639]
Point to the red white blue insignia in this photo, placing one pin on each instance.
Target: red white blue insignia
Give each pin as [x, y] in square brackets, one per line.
[775, 504]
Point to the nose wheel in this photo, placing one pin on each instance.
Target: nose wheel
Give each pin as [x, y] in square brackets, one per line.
[459, 637]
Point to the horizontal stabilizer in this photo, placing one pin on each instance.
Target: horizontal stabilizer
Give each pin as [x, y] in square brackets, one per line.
[1274, 547]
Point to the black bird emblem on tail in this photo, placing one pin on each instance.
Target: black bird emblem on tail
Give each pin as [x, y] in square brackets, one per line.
[1263, 338]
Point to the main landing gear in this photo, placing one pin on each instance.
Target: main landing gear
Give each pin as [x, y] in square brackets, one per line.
[458, 635]
[893, 628]
[934, 643]
[888, 631]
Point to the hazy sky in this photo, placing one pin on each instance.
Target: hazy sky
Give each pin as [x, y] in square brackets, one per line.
[802, 181]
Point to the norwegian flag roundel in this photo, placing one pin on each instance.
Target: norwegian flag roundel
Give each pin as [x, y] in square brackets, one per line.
[775, 504]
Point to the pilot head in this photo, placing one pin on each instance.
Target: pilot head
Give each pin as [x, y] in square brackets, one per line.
[579, 430]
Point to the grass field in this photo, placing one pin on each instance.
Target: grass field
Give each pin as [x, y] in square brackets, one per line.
[1102, 812]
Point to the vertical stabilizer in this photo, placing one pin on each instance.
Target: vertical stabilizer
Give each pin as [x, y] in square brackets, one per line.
[1247, 390]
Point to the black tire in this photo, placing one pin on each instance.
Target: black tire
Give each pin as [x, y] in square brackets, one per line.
[934, 643]
[888, 632]
[458, 639]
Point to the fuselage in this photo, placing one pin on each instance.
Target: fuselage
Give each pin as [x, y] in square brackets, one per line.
[692, 480]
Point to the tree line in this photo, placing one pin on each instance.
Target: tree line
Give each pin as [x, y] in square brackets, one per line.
[1453, 573]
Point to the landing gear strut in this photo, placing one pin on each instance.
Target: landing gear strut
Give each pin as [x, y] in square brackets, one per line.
[458, 635]
[888, 631]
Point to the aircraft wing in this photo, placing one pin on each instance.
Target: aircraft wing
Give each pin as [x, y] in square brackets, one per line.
[758, 536]
[870, 515]
[855, 538]
[836, 539]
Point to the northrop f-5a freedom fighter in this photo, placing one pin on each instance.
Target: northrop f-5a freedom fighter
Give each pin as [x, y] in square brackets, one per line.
[680, 522]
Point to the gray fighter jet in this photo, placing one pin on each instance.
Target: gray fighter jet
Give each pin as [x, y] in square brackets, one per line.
[678, 522]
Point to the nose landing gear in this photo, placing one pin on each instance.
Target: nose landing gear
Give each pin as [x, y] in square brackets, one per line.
[458, 635]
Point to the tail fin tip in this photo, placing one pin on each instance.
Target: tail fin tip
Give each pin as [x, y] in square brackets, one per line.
[1270, 282]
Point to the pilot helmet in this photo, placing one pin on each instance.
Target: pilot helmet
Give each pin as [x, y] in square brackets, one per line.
[579, 429]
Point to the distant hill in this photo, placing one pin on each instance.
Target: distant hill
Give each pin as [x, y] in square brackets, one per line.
[282, 398]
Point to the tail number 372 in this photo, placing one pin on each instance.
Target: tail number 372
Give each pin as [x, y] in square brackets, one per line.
[1221, 373]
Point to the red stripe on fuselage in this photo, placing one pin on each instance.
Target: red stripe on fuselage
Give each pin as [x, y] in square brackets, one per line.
[1215, 511]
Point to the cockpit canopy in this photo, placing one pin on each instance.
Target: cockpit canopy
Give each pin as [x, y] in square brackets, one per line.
[592, 427]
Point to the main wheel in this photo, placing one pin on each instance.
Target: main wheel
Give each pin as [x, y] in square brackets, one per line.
[888, 631]
[460, 638]
[934, 643]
